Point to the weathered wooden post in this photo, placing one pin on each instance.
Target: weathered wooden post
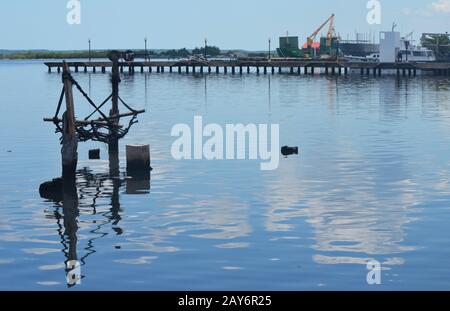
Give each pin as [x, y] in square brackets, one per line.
[138, 160]
[113, 143]
[69, 153]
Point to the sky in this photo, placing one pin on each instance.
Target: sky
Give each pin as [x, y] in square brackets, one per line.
[229, 24]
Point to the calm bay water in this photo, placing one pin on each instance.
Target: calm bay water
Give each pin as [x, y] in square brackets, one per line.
[372, 182]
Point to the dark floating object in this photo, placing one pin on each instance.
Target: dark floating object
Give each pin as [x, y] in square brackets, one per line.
[9, 151]
[52, 190]
[138, 159]
[94, 154]
[287, 151]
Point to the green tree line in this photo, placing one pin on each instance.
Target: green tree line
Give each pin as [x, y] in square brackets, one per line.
[180, 53]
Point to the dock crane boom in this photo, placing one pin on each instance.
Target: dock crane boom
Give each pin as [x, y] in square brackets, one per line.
[331, 32]
[310, 39]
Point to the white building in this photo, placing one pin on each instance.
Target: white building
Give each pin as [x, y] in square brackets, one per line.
[390, 46]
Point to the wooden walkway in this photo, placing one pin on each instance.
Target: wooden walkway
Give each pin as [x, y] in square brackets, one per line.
[259, 66]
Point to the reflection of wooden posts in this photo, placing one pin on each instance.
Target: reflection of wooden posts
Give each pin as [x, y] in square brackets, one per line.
[70, 212]
[113, 144]
[69, 148]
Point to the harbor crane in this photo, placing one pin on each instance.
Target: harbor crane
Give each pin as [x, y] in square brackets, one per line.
[330, 34]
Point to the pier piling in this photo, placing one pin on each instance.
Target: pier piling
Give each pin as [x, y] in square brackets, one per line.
[69, 150]
[333, 67]
[113, 143]
[138, 160]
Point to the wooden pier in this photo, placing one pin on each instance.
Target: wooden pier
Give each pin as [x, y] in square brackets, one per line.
[259, 66]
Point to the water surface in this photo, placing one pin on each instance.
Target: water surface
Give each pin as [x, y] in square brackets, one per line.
[372, 182]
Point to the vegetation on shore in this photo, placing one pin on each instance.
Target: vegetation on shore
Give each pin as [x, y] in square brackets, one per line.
[211, 51]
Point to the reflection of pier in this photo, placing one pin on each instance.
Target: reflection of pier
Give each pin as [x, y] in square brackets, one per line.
[293, 66]
[80, 198]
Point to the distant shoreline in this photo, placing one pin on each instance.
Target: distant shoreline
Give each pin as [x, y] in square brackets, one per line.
[102, 54]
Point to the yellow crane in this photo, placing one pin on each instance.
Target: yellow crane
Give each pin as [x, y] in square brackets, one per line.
[330, 34]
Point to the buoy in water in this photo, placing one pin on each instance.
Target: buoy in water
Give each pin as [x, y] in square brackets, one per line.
[287, 151]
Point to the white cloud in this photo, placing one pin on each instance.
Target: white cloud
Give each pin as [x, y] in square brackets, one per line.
[441, 6]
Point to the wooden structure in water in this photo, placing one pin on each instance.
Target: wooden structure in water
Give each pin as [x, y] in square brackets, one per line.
[105, 128]
[292, 66]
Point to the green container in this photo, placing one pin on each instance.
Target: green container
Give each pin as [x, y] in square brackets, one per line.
[289, 47]
[331, 51]
[289, 43]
